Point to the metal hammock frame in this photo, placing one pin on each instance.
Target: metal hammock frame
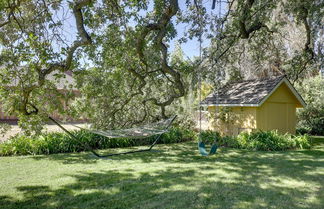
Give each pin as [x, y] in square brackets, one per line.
[88, 148]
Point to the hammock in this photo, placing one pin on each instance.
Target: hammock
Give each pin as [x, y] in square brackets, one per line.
[156, 129]
[145, 131]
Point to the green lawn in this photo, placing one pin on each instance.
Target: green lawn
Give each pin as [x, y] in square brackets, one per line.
[175, 177]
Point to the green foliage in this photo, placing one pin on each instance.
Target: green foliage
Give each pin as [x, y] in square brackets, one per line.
[128, 80]
[176, 135]
[225, 114]
[130, 77]
[210, 137]
[109, 107]
[266, 30]
[185, 107]
[311, 118]
[47, 98]
[302, 141]
[4, 128]
[229, 141]
[270, 141]
[266, 141]
[57, 142]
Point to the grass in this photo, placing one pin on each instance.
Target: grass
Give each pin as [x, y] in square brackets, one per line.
[175, 177]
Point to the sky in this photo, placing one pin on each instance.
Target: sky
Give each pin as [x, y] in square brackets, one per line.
[190, 48]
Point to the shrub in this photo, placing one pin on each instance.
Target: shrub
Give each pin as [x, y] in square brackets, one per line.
[229, 141]
[210, 137]
[176, 135]
[270, 141]
[311, 118]
[302, 141]
[58, 142]
[303, 130]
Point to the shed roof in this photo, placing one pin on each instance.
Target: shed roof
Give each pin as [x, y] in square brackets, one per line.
[248, 92]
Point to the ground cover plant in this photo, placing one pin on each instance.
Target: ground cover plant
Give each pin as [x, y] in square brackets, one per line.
[59, 142]
[175, 177]
[258, 140]
[270, 141]
[50, 143]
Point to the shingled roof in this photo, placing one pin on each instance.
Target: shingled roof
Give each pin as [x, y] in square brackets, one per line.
[248, 92]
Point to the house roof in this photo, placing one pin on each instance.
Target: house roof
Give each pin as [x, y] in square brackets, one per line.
[66, 81]
[63, 81]
[248, 92]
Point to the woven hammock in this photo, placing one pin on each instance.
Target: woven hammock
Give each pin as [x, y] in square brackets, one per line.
[148, 130]
[157, 129]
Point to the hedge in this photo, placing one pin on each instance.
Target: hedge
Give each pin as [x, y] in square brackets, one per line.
[261, 140]
[57, 142]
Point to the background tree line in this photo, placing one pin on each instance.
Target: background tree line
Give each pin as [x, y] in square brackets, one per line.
[119, 53]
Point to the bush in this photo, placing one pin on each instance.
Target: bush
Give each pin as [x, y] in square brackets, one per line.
[311, 118]
[302, 141]
[270, 141]
[229, 141]
[176, 135]
[210, 137]
[58, 142]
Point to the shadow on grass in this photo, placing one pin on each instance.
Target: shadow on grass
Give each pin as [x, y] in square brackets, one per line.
[161, 151]
[230, 179]
[164, 189]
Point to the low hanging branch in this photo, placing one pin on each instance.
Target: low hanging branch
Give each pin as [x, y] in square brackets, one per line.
[160, 28]
[83, 40]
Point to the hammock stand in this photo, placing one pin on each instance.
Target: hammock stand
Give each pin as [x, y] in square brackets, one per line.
[87, 147]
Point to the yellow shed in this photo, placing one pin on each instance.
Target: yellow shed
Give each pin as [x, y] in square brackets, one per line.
[267, 104]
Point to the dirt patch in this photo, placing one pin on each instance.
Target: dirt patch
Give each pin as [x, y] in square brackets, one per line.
[48, 128]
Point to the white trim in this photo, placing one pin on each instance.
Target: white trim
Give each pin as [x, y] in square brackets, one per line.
[231, 105]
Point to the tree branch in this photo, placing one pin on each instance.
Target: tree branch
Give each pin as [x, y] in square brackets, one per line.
[308, 49]
[160, 27]
[84, 40]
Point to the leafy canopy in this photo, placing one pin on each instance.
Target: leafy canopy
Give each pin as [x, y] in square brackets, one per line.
[119, 53]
